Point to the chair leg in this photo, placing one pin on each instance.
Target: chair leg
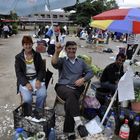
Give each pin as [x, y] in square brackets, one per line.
[55, 102]
[21, 98]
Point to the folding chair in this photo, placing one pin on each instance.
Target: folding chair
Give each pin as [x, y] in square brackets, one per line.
[58, 100]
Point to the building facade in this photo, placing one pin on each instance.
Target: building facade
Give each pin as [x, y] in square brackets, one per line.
[57, 17]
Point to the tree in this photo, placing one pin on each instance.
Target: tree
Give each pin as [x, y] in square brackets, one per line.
[84, 11]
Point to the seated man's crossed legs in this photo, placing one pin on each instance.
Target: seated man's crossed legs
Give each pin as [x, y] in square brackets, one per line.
[72, 107]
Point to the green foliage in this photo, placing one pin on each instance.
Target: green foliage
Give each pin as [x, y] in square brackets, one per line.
[88, 60]
[15, 28]
[84, 11]
[13, 16]
[137, 95]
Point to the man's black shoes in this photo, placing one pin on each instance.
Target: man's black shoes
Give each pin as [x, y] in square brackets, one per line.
[82, 131]
[72, 137]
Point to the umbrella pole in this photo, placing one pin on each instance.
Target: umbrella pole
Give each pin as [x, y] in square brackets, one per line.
[134, 55]
[109, 107]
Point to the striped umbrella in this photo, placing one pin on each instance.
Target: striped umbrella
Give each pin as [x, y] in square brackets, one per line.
[123, 26]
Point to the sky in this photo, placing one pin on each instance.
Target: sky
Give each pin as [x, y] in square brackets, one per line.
[123, 4]
[128, 3]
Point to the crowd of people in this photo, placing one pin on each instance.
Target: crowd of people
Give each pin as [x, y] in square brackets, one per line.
[47, 32]
[6, 30]
[92, 34]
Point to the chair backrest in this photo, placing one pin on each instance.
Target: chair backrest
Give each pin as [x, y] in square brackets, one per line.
[83, 95]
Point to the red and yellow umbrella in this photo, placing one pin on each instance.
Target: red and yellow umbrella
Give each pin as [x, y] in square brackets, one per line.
[118, 20]
[119, 14]
[123, 26]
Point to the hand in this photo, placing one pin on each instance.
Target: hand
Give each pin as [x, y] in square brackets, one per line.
[58, 48]
[80, 82]
[29, 87]
[37, 84]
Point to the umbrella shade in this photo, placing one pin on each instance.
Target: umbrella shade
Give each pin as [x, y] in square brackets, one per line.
[26, 7]
[101, 24]
[123, 26]
[119, 14]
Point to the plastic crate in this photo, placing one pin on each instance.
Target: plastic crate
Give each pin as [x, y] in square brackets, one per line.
[33, 127]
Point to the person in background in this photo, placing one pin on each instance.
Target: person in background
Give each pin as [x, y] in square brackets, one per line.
[112, 73]
[57, 32]
[30, 73]
[49, 34]
[73, 73]
[51, 48]
[5, 31]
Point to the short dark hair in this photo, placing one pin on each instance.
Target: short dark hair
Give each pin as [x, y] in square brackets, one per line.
[27, 39]
[70, 43]
[122, 55]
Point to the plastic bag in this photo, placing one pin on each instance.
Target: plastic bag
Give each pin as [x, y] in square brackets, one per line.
[91, 102]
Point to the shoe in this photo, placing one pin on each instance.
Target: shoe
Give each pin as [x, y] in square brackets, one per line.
[82, 131]
[72, 137]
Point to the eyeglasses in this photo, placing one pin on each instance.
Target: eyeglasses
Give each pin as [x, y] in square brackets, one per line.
[71, 49]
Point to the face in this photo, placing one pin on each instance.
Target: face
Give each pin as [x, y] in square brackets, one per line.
[27, 47]
[120, 61]
[71, 51]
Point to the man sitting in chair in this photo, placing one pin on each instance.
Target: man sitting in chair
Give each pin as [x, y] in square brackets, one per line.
[30, 72]
[73, 73]
[112, 73]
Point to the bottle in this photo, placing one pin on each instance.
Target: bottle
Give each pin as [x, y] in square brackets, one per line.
[111, 121]
[124, 130]
[131, 119]
[130, 123]
[120, 122]
[52, 134]
[20, 134]
[135, 129]
[108, 132]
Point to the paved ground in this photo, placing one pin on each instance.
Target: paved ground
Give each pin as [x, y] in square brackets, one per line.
[8, 98]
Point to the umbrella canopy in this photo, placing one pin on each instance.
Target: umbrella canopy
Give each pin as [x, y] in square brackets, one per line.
[26, 7]
[101, 24]
[123, 26]
[119, 14]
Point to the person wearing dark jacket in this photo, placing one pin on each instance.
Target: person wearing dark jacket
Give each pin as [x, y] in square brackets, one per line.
[112, 73]
[30, 73]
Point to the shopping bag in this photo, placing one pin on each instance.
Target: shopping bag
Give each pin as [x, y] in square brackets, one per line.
[91, 102]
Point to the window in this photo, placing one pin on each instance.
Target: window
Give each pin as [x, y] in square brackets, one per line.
[61, 16]
[36, 15]
[48, 16]
[42, 15]
[54, 16]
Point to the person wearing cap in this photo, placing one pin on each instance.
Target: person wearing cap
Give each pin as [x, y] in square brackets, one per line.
[73, 73]
[30, 73]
